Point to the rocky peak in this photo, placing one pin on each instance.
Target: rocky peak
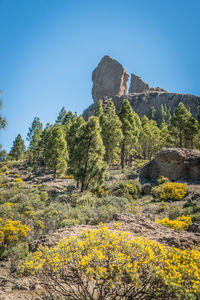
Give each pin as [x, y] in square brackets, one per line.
[138, 85]
[109, 79]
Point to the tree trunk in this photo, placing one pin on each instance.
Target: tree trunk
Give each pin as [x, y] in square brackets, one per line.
[122, 156]
[181, 139]
[77, 184]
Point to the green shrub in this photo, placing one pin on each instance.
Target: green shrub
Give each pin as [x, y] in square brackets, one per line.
[127, 188]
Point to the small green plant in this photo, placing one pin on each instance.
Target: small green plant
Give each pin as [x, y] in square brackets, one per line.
[127, 188]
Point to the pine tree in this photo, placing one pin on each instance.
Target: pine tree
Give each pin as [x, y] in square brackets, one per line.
[99, 109]
[88, 166]
[3, 125]
[198, 117]
[150, 138]
[55, 152]
[191, 131]
[3, 122]
[61, 117]
[153, 113]
[34, 136]
[111, 132]
[130, 129]
[179, 122]
[17, 151]
[75, 124]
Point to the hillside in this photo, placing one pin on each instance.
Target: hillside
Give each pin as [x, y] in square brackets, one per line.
[55, 209]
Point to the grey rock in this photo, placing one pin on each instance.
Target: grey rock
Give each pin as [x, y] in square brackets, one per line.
[194, 227]
[174, 163]
[142, 103]
[146, 188]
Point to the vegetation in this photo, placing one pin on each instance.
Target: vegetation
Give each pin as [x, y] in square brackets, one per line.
[86, 156]
[17, 151]
[170, 191]
[181, 223]
[88, 166]
[102, 264]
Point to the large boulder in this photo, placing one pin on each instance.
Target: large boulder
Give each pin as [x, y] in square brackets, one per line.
[173, 163]
[109, 79]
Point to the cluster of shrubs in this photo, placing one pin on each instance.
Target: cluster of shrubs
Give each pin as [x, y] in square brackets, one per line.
[43, 211]
[110, 265]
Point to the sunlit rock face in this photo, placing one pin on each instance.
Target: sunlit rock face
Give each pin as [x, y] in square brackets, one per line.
[109, 79]
[110, 83]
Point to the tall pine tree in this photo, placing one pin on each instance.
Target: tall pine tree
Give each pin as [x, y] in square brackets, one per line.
[111, 132]
[55, 152]
[34, 136]
[130, 129]
[179, 122]
[17, 151]
[89, 167]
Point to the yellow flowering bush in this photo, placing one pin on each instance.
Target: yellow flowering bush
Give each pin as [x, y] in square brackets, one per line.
[105, 264]
[181, 223]
[12, 231]
[102, 192]
[4, 168]
[170, 191]
[18, 180]
[68, 177]
[162, 180]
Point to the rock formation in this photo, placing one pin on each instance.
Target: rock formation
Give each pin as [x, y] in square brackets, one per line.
[138, 85]
[109, 79]
[143, 102]
[110, 82]
[175, 164]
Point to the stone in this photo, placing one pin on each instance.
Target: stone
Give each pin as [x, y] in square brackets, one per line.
[142, 103]
[174, 163]
[109, 79]
[194, 227]
[146, 188]
[138, 85]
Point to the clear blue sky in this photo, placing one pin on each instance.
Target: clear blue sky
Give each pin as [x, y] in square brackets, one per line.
[49, 49]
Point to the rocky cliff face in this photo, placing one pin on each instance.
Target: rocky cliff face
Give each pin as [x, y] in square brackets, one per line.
[110, 82]
[143, 102]
[109, 79]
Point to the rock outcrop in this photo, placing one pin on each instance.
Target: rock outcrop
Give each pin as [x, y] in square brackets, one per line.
[109, 79]
[110, 82]
[173, 163]
[143, 102]
[138, 85]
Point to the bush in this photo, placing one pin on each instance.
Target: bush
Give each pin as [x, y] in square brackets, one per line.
[180, 224]
[162, 180]
[102, 264]
[170, 191]
[127, 188]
